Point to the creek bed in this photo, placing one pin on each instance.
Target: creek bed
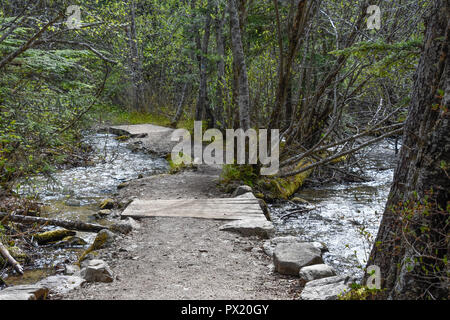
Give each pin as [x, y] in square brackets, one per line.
[344, 212]
[74, 194]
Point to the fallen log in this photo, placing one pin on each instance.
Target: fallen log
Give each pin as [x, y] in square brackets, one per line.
[72, 225]
[5, 253]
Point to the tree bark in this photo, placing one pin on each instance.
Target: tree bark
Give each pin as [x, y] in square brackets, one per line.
[136, 69]
[5, 253]
[239, 58]
[72, 225]
[412, 243]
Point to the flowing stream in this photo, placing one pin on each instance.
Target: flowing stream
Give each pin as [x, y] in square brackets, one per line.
[74, 194]
[347, 216]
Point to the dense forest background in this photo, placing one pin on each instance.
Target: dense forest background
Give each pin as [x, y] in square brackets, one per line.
[311, 69]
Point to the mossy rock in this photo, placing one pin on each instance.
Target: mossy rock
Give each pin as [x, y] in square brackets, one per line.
[71, 241]
[52, 236]
[103, 239]
[122, 138]
[107, 204]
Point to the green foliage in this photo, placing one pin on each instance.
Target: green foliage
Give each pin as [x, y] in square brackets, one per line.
[358, 292]
[246, 174]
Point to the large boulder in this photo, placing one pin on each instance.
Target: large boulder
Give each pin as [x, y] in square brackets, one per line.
[269, 245]
[24, 292]
[327, 288]
[315, 272]
[97, 271]
[289, 258]
[251, 227]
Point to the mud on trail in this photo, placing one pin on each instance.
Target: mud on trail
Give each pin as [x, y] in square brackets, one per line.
[187, 258]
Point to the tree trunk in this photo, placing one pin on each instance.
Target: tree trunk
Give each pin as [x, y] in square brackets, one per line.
[221, 81]
[202, 46]
[238, 57]
[412, 244]
[136, 70]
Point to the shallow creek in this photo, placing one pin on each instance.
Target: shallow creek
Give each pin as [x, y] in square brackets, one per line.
[74, 194]
[343, 211]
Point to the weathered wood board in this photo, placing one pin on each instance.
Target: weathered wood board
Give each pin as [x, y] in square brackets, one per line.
[218, 208]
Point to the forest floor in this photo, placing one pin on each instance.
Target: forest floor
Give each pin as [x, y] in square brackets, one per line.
[187, 258]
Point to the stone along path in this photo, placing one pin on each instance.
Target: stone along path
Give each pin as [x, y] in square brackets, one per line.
[181, 249]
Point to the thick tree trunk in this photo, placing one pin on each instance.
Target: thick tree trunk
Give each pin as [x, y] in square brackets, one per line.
[238, 57]
[412, 245]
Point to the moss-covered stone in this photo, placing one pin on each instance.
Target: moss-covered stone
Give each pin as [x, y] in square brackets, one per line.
[107, 204]
[52, 236]
[122, 138]
[103, 239]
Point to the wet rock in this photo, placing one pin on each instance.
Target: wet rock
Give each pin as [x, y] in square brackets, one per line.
[251, 227]
[241, 190]
[289, 258]
[24, 292]
[61, 284]
[107, 204]
[97, 271]
[327, 288]
[52, 236]
[315, 272]
[269, 245]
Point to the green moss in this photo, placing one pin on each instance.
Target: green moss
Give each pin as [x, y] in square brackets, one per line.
[359, 292]
[101, 240]
[245, 174]
[283, 188]
[52, 236]
[107, 204]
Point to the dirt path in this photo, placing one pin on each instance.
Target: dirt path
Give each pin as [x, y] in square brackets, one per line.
[186, 258]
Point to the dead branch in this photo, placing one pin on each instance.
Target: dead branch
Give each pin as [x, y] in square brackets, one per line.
[5, 253]
[72, 225]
